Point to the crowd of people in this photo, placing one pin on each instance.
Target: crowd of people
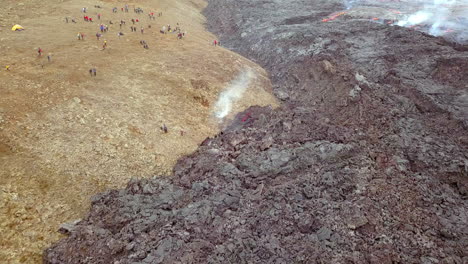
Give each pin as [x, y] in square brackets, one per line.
[104, 28]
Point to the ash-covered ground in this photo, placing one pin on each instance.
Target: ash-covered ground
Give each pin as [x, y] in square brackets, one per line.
[365, 162]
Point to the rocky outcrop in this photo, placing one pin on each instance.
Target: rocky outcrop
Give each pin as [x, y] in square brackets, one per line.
[365, 162]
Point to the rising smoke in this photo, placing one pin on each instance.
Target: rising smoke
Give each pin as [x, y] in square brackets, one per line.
[435, 17]
[442, 17]
[232, 93]
[436, 14]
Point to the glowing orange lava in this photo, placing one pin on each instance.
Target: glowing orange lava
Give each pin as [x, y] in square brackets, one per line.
[333, 16]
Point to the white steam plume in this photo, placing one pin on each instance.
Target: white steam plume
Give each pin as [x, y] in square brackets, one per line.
[415, 19]
[233, 93]
[448, 18]
[442, 16]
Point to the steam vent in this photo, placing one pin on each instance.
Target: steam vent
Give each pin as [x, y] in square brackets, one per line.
[234, 131]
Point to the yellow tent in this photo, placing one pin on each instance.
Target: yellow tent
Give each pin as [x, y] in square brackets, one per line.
[17, 27]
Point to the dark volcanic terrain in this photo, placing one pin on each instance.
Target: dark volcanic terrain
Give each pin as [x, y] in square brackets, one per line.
[365, 162]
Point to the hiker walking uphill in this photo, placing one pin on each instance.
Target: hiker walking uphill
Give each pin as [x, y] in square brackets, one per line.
[164, 128]
[39, 52]
[92, 72]
[145, 45]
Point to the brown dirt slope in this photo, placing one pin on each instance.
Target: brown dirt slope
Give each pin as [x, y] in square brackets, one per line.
[65, 136]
